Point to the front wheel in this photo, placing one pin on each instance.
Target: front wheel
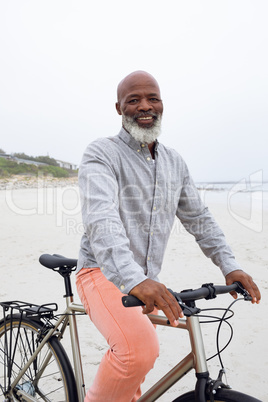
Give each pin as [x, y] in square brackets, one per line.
[222, 395]
[48, 378]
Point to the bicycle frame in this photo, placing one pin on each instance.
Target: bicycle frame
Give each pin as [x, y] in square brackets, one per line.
[196, 359]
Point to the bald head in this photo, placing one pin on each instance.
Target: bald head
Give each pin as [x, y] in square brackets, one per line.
[137, 78]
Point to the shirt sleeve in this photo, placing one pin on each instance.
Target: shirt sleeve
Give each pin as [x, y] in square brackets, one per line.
[197, 220]
[100, 213]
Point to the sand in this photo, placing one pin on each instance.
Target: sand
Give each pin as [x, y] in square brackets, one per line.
[45, 218]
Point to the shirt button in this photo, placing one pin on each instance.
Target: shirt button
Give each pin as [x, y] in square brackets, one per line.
[148, 159]
[152, 233]
[122, 287]
[138, 150]
[154, 208]
[142, 145]
[102, 268]
[148, 258]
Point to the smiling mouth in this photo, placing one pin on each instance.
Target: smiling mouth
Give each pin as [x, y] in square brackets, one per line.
[145, 118]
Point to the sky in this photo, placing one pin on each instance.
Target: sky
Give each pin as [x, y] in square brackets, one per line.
[61, 62]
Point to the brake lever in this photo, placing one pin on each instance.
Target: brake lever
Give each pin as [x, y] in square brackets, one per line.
[241, 290]
[187, 310]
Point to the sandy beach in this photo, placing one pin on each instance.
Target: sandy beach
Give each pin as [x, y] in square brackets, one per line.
[46, 219]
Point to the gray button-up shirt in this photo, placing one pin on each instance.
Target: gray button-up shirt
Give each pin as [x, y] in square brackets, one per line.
[129, 203]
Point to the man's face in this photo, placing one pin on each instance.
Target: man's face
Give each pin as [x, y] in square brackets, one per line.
[139, 99]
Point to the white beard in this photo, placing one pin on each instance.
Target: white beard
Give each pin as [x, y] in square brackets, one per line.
[140, 134]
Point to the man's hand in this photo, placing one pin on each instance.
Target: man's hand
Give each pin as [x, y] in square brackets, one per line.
[247, 282]
[154, 294]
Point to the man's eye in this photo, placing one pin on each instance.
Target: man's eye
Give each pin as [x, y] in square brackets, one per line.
[154, 99]
[133, 101]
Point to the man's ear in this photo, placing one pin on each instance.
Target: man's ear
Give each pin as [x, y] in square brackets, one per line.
[117, 105]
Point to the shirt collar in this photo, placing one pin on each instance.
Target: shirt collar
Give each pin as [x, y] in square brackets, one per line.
[130, 141]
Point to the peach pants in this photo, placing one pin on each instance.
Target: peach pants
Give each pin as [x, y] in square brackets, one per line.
[130, 334]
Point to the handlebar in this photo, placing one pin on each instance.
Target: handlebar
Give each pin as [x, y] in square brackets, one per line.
[207, 291]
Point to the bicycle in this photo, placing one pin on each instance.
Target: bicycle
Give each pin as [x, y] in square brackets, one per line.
[35, 366]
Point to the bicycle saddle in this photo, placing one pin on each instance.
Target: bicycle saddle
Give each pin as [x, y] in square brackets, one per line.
[57, 261]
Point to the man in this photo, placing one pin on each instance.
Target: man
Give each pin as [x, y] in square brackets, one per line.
[132, 187]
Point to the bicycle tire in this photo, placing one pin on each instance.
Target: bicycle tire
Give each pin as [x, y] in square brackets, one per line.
[49, 378]
[222, 395]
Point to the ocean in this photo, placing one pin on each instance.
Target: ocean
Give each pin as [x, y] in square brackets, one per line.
[234, 186]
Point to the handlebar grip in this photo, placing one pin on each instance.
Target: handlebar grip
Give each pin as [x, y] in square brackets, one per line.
[131, 301]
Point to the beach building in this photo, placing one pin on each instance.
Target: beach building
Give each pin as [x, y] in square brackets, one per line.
[66, 165]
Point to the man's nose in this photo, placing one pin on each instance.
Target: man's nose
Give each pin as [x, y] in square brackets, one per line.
[144, 105]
